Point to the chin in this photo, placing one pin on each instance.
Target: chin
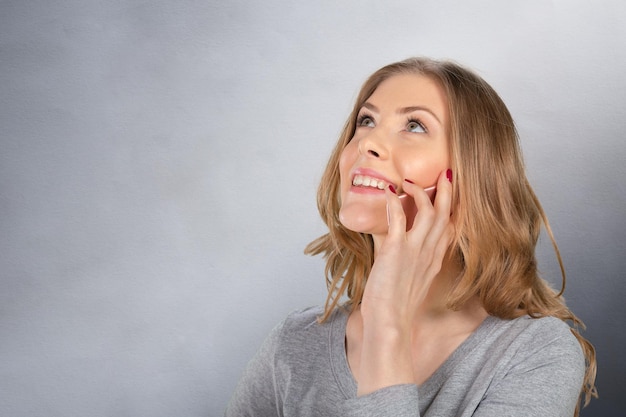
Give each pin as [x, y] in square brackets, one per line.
[362, 223]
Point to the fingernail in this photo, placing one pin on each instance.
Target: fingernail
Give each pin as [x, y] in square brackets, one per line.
[392, 188]
[409, 181]
[449, 175]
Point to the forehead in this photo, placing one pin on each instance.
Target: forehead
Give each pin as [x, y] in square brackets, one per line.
[408, 90]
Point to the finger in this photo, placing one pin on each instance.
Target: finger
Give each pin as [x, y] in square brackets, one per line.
[395, 214]
[425, 213]
[432, 218]
[442, 246]
[421, 196]
[442, 206]
[410, 209]
[443, 198]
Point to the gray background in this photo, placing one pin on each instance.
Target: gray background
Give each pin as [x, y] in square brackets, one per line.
[158, 167]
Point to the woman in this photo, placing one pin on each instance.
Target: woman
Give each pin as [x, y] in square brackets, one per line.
[445, 313]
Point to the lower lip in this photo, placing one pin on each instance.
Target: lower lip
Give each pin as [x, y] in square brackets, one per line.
[366, 190]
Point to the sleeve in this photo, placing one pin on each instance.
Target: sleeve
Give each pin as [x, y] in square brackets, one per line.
[545, 382]
[256, 393]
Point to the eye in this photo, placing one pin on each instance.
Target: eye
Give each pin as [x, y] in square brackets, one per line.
[365, 120]
[415, 126]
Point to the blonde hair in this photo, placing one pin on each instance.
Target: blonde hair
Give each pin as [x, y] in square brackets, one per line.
[497, 216]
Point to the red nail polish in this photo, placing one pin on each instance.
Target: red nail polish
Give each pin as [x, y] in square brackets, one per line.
[449, 175]
[409, 181]
[392, 188]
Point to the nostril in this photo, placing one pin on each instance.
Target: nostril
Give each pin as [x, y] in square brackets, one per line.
[374, 153]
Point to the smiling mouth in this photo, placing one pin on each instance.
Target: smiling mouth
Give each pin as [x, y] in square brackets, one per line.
[365, 181]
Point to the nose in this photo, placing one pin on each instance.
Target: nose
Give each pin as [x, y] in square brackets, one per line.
[373, 145]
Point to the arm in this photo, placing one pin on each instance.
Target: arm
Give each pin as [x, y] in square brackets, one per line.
[405, 266]
[256, 394]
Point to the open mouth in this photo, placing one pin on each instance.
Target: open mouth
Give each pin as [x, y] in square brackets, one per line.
[365, 181]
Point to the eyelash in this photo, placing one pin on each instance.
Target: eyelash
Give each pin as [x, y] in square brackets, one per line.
[418, 122]
[364, 116]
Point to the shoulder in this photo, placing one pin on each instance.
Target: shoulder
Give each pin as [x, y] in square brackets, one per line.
[304, 317]
[307, 319]
[542, 331]
[529, 366]
[301, 328]
[542, 340]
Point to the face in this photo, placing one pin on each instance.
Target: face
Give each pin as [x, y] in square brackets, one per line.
[400, 134]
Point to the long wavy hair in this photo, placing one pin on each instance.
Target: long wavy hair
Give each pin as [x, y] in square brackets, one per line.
[497, 216]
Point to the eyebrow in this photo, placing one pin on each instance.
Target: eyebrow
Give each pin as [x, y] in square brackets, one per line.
[403, 110]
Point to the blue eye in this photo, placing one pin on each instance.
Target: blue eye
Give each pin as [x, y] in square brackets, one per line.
[415, 126]
[365, 121]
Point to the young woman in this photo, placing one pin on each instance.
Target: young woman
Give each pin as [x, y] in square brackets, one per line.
[432, 232]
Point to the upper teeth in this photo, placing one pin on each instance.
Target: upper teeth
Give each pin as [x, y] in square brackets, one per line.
[366, 181]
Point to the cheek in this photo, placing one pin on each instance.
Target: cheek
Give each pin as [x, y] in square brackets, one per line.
[347, 159]
[424, 170]
[421, 167]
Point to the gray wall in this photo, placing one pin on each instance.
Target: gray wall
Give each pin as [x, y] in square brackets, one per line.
[159, 160]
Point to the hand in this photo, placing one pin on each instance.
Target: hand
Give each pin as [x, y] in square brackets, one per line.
[404, 268]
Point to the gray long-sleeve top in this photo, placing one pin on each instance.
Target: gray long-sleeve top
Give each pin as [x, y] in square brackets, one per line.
[523, 367]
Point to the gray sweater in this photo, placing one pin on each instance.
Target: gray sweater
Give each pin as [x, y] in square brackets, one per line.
[523, 367]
